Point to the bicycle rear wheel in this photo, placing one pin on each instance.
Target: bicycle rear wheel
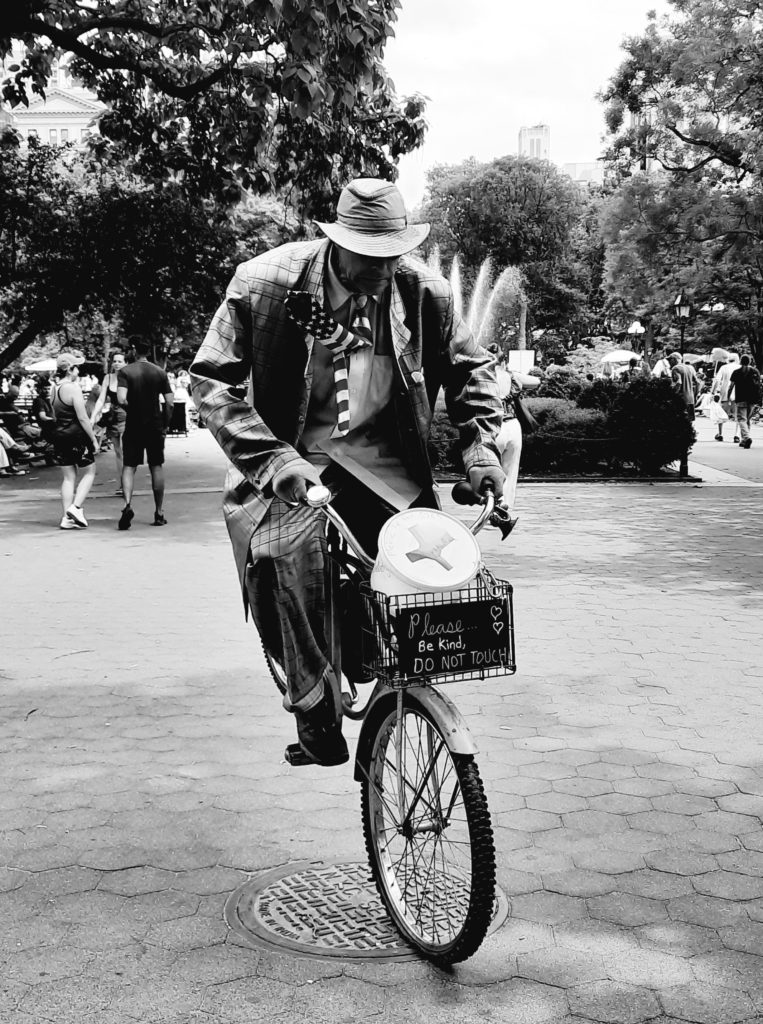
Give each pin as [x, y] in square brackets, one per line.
[428, 835]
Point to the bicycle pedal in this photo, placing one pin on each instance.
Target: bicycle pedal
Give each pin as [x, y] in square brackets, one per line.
[295, 755]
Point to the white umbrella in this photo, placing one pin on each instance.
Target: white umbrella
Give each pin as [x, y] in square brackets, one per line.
[719, 355]
[42, 366]
[692, 357]
[620, 355]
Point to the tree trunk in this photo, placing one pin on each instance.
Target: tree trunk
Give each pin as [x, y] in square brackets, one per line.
[23, 340]
[522, 333]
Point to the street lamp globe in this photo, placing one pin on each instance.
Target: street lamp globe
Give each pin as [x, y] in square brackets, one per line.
[682, 311]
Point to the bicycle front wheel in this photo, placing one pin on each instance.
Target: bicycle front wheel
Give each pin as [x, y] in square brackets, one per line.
[428, 836]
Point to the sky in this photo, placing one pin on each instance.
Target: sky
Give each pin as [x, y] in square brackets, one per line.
[490, 67]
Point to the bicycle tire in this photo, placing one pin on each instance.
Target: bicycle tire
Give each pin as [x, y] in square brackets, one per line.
[444, 915]
[276, 670]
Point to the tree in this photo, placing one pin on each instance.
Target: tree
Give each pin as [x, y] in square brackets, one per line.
[690, 91]
[523, 213]
[698, 233]
[224, 94]
[75, 239]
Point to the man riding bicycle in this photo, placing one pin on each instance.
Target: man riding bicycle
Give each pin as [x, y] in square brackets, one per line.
[322, 365]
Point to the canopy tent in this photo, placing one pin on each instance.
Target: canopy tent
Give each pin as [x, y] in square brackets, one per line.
[621, 355]
[42, 366]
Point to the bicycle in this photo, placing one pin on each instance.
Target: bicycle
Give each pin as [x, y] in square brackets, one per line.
[426, 821]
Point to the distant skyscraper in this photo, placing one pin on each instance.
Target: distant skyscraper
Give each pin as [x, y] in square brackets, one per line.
[535, 141]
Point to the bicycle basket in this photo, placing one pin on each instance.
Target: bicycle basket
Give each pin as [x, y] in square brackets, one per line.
[462, 634]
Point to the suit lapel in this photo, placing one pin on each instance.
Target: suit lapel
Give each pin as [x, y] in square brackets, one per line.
[401, 336]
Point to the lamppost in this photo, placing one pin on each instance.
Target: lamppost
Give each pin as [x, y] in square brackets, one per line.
[682, 311]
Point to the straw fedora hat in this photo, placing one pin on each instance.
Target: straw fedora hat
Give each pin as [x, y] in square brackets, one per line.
[371, 220]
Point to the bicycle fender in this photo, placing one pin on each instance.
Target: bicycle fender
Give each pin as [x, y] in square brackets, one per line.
[456, 733]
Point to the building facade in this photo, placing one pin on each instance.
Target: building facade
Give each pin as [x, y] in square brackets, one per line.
[67, 113]
[535, 142]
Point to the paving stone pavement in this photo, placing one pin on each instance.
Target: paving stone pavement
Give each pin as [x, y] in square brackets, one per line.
[141, 754]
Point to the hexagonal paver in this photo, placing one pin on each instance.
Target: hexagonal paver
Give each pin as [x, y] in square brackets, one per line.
[643, 787]
[556, 803]
[608, 860]
[619, 803]
[547, 907]
[729, 885]
[707, 1004]
[726, 821]
[650, 968]
[134, 881]
[576, 882]
[742, 803]
[748, 862]
[518, 936]
[613, 1002]
[624, 909]
[582, 787]
[680, 862]
[706, 911]
[561, 966]
[682, 803]
[658, 885]
[679, 938]
[597, 822]
[526, 820]
[661, 821]
[746, 936]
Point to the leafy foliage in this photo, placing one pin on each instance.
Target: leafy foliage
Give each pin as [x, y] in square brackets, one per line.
[520, 212]
[75, 240]
[689, 92]
[224, 94]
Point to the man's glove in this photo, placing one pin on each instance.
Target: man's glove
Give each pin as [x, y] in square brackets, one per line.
[481, 475]
[291, 485]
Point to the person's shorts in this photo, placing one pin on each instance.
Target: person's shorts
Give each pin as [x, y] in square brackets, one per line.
[73, 452]
[115, 430]
[136, 443]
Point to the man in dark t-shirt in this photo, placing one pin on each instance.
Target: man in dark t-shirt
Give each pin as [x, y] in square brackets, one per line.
[744, 391]
[139, 386]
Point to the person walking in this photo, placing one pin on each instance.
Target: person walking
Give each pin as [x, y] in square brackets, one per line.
[744, 391]
[718, 416]
[509, 440]
[109, 414]
[74, 441]
[722, 383]
[140, 385]
[686, 386]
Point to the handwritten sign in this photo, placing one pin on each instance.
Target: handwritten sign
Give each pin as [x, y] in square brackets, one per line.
[445, 638]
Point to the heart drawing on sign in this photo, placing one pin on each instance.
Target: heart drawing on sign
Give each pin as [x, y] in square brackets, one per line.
[496, 611]
[498, 626]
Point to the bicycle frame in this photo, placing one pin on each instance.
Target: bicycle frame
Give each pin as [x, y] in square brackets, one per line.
[343, 549]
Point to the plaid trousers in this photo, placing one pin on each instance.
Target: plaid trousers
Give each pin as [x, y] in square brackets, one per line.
[288, 577]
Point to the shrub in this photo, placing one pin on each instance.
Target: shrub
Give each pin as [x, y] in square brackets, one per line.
[599, 394]
[569, 439]
[560, 383]
[649, 425]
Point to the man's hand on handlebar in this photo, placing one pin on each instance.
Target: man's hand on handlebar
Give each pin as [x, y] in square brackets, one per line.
[481, 476]
[292, 487]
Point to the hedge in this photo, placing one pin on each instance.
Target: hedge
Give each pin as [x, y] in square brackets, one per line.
[612, 428]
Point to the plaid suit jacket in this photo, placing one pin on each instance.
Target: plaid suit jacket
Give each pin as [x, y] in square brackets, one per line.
[252, 376]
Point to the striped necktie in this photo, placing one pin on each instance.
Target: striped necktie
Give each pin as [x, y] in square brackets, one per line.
[305, 310]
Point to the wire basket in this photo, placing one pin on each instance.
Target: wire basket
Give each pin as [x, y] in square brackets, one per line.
[409, 639]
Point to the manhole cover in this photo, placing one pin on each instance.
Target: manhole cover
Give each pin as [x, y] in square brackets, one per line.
[322, 910]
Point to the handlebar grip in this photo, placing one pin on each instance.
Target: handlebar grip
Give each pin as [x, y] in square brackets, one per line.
[462, 494]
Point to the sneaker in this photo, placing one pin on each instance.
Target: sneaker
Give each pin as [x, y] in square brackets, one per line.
[718, 437]
[126, 518]
[747, 443]
[159, 519]
[67, 524]
[77, 516]
[736, 439]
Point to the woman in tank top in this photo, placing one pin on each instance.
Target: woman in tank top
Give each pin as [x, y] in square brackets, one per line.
[110, 414]
[75, 441]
